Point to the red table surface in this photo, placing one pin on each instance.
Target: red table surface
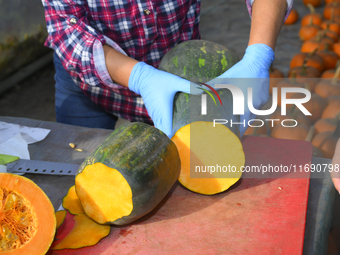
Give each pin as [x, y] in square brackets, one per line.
[255, 216]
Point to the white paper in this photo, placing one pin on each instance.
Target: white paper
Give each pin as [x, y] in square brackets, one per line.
[31, 135]
[15, 146]
[14, 139]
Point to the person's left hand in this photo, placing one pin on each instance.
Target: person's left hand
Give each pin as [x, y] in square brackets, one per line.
[254, 64]
[158, 89]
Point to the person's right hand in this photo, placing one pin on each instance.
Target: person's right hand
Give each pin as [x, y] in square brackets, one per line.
[157, 89]
[254, 64]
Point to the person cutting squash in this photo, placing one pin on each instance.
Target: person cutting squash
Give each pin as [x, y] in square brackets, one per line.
[107, 52]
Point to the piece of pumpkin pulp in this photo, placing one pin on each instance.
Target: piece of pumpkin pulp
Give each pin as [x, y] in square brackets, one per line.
[83, 227]
[60, 217]
[72, 203]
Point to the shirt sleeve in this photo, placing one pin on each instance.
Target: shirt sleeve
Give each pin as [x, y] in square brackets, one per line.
[100, 63]
[73, 39]
[289, 7]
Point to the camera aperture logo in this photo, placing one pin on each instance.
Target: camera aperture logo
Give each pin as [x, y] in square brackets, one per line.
[239, 105]
[208, 92]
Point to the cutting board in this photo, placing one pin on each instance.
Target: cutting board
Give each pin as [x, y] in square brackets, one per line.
[262, 215]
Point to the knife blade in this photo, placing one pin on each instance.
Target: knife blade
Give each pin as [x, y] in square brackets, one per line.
[41, 167]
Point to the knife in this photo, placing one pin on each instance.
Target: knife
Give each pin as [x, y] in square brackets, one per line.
[41, 167]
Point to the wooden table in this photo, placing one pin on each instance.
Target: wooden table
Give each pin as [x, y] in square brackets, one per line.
[55, 147]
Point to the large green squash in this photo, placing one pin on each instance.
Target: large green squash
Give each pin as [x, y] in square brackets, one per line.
[187, 107]
[198, 60]
[128, 174]
[200, 143]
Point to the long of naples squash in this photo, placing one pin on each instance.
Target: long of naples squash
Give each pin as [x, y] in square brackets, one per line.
[128, 174]
[211, 155]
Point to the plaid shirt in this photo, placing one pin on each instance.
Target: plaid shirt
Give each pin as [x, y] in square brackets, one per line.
[142, 29]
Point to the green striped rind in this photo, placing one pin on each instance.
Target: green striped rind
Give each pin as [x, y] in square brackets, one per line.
[198, 60]
[147, 159]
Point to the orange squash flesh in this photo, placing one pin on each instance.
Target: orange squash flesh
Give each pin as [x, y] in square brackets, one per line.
[27, 217]
[85, 232]
[60, 216]
[72, 203]
[213, 147]
[96, 185]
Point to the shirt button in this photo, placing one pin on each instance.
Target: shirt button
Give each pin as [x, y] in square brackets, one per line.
[147, 12]
[73, 21]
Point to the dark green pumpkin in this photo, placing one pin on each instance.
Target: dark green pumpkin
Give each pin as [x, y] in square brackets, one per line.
[201, 135]
[147, 159]
[185, 60]
[198, 60]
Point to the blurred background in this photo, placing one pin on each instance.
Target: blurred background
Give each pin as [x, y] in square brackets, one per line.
[27, 71]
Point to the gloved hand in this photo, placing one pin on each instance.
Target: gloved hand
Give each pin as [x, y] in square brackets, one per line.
[157, 89]
[254, 64]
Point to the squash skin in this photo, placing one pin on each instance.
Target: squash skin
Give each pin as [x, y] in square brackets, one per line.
[147, 159]
[190, 59]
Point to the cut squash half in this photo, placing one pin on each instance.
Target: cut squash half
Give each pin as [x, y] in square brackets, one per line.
[27, 217]
[211, 157]
[127, 175]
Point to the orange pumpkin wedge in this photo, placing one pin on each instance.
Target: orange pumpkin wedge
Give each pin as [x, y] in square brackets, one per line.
[202, 146]
[85, 232]
[60, 216]
[72, 203]
[28, 222]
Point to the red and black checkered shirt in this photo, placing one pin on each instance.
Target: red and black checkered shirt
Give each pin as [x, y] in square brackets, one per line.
[142, 29]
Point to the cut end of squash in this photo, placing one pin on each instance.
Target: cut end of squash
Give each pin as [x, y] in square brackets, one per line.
[104, 193]
[72, 203]
[27, 219]
[211, 157]
[85, 232]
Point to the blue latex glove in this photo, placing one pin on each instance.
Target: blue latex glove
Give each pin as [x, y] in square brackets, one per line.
[157, 89]
[254, 64]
